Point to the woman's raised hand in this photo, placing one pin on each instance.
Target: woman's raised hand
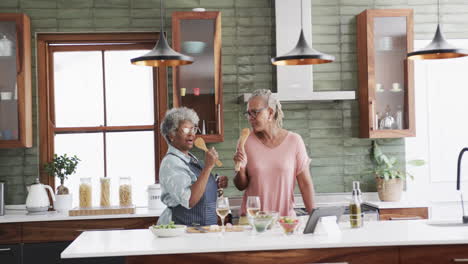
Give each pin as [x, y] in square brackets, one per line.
[210, 157]
[240, 157]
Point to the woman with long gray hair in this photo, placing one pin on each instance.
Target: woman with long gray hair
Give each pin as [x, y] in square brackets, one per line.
[274, 159]
[188, 188]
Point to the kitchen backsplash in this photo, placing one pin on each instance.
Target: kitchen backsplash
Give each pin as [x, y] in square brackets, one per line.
[329, 129]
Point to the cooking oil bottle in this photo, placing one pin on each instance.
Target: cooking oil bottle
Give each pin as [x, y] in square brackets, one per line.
[355, 214]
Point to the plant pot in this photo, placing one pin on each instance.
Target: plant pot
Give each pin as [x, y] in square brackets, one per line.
[63, 203]
[389, 190]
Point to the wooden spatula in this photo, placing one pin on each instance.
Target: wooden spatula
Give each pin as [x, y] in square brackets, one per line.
[241, 143]
[200, 143]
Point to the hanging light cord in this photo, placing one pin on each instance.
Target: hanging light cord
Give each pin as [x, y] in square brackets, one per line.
[301, 16]
[438, 12]
[162, 18]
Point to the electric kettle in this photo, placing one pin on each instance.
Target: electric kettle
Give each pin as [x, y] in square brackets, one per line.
[38, 200]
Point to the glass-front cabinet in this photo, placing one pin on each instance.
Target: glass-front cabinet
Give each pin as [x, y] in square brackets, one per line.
[199, 85]
[15, 81]
[386, 85]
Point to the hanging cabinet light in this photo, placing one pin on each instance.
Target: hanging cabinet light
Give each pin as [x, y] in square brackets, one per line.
[162, 54]
[439, 48]
[302, 54]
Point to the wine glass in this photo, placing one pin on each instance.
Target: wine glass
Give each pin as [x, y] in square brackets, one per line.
[253, 206]
[222, 209]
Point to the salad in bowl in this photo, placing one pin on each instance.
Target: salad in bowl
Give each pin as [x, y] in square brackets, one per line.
[169, 230]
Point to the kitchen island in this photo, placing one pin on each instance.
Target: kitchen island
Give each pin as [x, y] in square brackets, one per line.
[377, 242]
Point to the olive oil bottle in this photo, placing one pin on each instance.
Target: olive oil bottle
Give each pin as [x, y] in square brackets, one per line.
[355, 214]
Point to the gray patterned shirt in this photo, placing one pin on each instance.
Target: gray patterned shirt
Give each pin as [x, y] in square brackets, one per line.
[175, 178]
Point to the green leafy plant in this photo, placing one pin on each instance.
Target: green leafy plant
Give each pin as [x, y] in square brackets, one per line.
[386, 167]
[62, 166]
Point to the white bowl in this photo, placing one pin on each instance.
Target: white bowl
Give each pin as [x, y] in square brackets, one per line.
[193, 47]
[170, 232]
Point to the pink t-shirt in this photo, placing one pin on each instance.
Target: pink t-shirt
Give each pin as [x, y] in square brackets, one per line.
[272, 172]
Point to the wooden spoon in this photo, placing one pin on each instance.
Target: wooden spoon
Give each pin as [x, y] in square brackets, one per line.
[241, 143]
[200, 143]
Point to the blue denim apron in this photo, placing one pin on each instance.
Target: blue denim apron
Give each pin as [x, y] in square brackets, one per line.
[204, 212]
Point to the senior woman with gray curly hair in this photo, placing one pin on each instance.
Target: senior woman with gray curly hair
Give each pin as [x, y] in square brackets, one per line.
[188, 188]
[274, 159]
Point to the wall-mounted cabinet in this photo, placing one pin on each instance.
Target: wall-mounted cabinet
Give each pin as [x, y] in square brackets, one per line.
[386, 85]
[199, 85]
[15, 81]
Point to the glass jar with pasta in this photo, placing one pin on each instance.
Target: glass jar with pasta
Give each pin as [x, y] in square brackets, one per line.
[105, 192]
[125, 191]
[85, 192]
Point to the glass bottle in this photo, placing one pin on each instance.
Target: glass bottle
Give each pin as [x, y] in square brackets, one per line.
[105, 192]
[125, 191]
[355, 213]
[387, 120]
[399, 117]
[86, 192]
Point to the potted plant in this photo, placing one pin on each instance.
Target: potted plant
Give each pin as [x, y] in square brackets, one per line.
[389, 176]
[62, 167]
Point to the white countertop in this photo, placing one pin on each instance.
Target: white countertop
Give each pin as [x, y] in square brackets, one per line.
[16, 216]
[143, 242]
[401, 204]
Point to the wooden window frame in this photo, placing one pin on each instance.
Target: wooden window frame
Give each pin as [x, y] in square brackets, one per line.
[47, 129]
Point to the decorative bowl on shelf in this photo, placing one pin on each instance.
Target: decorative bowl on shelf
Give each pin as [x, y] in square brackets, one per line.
[177, 230]
[193, 47]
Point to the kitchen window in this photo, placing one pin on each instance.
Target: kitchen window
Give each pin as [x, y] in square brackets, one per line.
[95, 104]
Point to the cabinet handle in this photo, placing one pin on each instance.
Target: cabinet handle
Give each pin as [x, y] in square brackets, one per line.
[373, 115]
[5, 249]
[406, 218]
[329, 263]
[102, 229]
[219, 119]
[459, 260]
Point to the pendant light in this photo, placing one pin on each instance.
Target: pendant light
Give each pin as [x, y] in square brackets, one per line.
[439, 48]
[162, 54]
[302, 54]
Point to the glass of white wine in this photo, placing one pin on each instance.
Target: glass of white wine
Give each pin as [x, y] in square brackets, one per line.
[222, 209]
[253, 206]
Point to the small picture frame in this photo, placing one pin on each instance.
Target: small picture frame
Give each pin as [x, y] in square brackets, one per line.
[321, 212]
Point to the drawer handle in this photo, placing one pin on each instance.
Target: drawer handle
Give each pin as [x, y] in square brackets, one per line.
[406, 218]
[102, 229]
[5, 249]
[459, 260]
[329, 263]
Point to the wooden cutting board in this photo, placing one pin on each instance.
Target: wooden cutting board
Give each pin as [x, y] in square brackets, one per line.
[235, 228]
[102, 210]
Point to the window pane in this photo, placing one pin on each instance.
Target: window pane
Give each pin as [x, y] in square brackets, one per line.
[78, 89]
[129, 90]
[89, 149]
[131, 154]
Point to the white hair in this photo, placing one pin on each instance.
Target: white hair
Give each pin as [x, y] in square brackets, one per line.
[272, 102]
[174, 117]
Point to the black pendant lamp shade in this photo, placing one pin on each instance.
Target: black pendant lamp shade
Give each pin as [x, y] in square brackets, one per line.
[162, 54]
[302, 54]
[439, 48]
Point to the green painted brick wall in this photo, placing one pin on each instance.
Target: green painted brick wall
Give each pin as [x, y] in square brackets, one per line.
[329, 129]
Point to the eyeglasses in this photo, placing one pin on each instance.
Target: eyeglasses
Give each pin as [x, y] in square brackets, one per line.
[254, 113]
[188, 130]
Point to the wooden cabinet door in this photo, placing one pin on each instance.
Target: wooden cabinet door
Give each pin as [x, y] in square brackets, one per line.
[10, 233]
[199, 86]
[386, 89]
[15, 81]
[365, 255]
[444, 254]
[34, 232]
